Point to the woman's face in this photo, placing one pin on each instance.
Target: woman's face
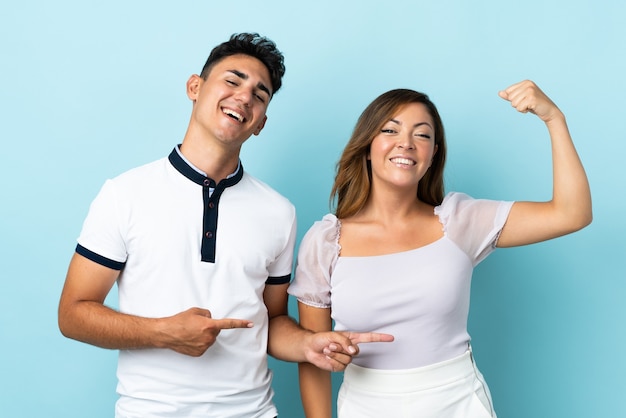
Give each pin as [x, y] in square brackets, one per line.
[403, 150]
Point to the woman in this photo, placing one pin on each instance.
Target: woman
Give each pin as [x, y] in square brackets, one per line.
[397, 257]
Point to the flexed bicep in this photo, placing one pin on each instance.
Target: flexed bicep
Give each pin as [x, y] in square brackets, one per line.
[570, 207]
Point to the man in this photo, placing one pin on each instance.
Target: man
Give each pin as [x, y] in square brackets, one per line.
[202, 254]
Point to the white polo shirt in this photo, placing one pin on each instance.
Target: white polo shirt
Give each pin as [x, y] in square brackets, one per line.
[177, 248]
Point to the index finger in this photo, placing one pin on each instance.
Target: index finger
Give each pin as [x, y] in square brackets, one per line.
[370, 337]
[229, 323]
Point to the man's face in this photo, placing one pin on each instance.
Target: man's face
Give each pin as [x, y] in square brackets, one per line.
[230, 105]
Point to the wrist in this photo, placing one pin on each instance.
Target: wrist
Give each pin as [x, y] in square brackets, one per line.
[308, 345]
[556, 118]
[160, 330]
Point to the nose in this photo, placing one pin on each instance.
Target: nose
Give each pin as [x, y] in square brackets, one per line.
[406, 142]
[244, 96]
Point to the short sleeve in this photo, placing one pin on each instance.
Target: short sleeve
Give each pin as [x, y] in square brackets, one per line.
[102, 230]
[473, 224]
[317, 257]
[280, 269]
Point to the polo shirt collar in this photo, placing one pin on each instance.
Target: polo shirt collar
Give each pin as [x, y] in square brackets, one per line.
[184, 167]
[211, 194]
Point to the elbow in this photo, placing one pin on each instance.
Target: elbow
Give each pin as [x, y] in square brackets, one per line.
[587, 216]
[580, 221]
[63, 325]
[588, 220]
[577, 215]
[64, 322]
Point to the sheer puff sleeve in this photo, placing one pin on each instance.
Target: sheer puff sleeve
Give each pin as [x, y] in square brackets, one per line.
[473, 224]
[317, 256]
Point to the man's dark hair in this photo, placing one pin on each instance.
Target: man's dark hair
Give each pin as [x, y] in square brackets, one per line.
[254, 45]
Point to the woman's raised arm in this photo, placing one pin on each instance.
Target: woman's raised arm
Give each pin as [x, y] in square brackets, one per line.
[570, 207]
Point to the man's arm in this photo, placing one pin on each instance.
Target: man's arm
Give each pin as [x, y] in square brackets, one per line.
[288, 341]
[83, 316]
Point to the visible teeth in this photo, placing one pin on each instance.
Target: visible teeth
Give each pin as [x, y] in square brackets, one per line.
[234, 114]
[402, 161]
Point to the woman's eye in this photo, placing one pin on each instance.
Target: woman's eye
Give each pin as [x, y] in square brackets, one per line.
[387, 131]
[425, 136]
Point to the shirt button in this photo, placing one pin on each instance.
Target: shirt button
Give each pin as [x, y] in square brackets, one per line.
[208, 234]
[207, 182]
[211, 205]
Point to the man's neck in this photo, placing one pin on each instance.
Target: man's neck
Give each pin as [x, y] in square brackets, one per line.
[215, 162]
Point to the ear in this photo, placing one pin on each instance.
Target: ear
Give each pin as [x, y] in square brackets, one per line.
[259, 128]
[193, 87]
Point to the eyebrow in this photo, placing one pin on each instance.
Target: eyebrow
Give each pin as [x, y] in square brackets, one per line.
[397, 122]
[244, 76]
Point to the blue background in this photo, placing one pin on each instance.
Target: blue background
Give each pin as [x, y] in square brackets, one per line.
[91, 89]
